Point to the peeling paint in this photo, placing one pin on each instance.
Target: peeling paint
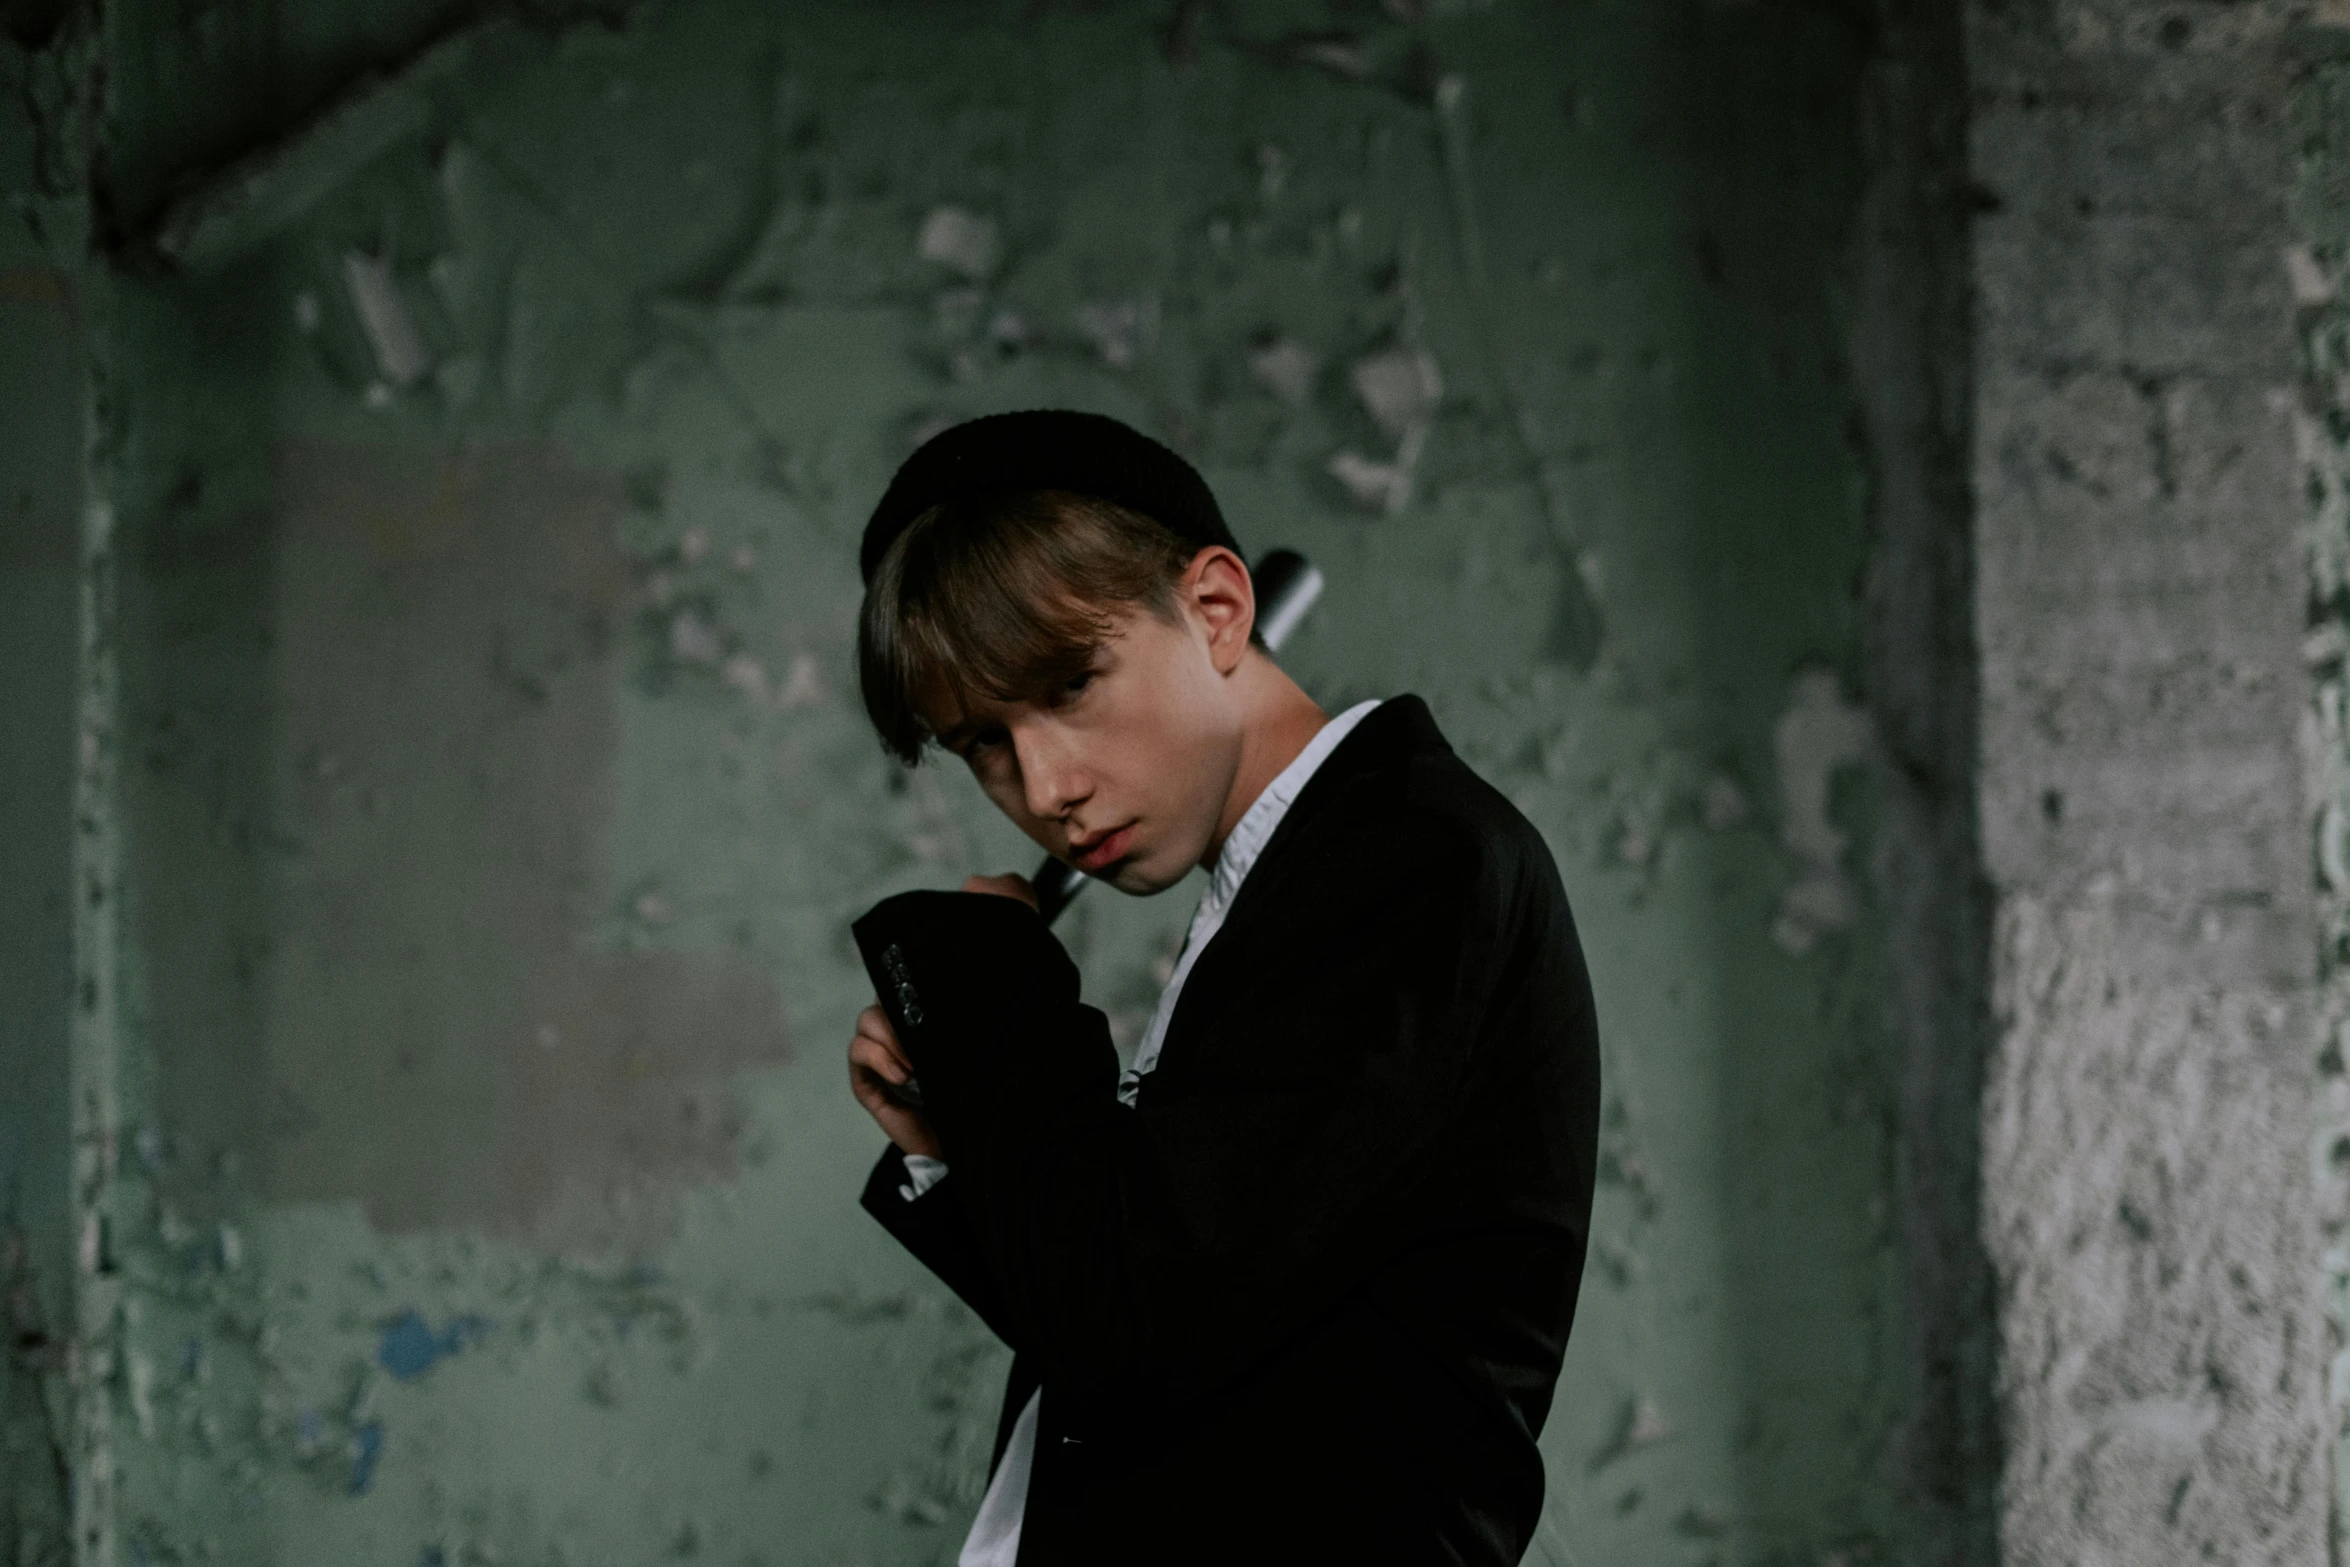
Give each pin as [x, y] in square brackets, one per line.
[1400, 388]
[410, 1347]
[259, 196]
[391, 330]
[1641, 1425]
[367, 1446]
[961, 240]
[1286, 368]
[1818, 736]
[500, 795]
[1120, 330]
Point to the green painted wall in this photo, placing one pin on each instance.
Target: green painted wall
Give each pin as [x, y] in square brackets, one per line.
[41, 370]
[491, 462]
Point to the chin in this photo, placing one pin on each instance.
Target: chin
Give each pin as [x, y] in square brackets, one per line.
[1140, 880]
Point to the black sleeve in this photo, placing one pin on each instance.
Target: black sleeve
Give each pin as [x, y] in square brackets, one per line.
[937, 1231]
[1146, 1255]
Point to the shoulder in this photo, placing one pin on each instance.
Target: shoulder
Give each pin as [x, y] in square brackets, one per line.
[1445, 801]
[1405, 804]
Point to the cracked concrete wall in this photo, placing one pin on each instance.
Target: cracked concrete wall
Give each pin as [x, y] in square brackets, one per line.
[494, 406]
[2147, 1185]
[2320, 114]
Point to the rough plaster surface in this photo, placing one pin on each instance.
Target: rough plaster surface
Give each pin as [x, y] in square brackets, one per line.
[1524, 322]
[2147, 1200]
[2320, 127]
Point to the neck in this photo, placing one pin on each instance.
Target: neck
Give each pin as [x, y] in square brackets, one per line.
[1278, 720]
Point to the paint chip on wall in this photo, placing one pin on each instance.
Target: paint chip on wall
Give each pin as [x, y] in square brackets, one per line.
[142, 1391]
[1287, 368]
[383, 312]
[747, 675]
[961, 239]
[1372, 483]
[1643, 1424]
[1119, 329]
[367, 1445]
[803, 684]
[1818, 736]
[1723, 805]
[1400, 389]
[693, 640]
[409, 1347]
[2312, 284]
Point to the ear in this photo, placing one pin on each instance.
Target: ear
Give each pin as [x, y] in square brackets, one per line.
[1217, 592]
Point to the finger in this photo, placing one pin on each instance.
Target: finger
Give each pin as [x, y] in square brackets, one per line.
[883, 1049]
[874, 1091]
[894, 1118]
[874, 1024]
[869, 1055]
[869, 1047]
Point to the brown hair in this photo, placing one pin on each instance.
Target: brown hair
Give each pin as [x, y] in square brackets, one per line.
[1002, 596]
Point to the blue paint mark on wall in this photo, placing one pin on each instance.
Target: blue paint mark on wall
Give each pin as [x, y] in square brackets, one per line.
[409, 1347]
[367, 1445]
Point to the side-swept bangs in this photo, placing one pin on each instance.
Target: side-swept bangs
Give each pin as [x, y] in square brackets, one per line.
[1001, 597]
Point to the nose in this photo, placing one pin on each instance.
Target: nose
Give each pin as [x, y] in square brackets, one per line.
[1053, 781]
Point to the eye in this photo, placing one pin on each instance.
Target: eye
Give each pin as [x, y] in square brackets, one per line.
[1073, 686]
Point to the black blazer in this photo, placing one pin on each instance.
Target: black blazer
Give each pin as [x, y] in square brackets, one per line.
[1306, 1300]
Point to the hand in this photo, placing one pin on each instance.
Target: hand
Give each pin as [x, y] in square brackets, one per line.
[875, 1057]
[1003, 887]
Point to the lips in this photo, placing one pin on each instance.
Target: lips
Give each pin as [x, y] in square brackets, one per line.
[1093, 854]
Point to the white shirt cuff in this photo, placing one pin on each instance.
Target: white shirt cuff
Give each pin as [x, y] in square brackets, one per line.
[922, 1173]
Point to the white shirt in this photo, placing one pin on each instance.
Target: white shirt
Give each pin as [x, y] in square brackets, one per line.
[994, 1540]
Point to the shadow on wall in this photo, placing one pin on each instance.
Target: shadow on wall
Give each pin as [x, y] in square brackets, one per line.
[378, 748]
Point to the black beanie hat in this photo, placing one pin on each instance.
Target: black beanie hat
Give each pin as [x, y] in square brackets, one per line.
[1047, 449]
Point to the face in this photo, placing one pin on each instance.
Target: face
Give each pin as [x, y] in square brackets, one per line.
[1125, 770]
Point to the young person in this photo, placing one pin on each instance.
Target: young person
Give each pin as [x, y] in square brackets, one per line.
[1295, 1286]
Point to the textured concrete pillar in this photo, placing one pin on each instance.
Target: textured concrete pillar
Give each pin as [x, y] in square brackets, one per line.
[2147, 1204]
